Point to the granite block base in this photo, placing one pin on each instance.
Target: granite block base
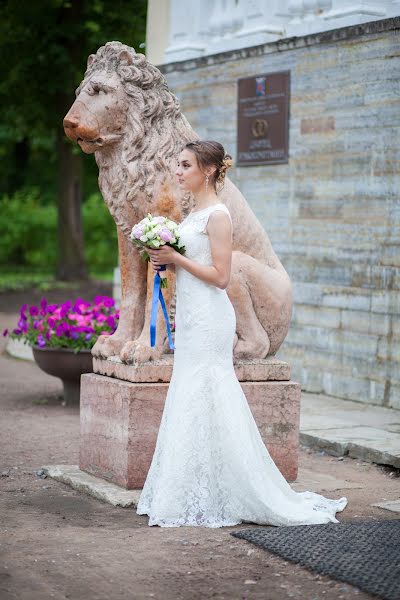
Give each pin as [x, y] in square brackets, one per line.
[119, 422]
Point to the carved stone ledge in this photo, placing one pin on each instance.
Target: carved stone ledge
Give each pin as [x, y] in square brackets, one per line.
[160, 371]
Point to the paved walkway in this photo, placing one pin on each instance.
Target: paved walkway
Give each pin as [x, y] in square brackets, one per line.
[342, 427]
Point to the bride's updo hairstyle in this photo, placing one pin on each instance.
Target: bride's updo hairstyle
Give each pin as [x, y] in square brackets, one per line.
[211, 154]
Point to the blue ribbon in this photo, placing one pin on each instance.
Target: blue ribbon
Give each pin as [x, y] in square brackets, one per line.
[158, 296]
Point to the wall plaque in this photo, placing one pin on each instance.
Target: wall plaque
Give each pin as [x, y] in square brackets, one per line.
[263, 119]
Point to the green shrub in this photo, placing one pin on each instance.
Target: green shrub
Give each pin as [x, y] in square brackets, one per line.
[101, 244]
[28, 233]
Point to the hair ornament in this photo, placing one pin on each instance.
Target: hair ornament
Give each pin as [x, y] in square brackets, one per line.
[227, 162]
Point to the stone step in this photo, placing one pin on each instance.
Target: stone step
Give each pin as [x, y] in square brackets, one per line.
[160, 371]
[342, 427]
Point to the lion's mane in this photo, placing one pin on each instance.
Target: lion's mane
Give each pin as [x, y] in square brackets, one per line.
[155, 131]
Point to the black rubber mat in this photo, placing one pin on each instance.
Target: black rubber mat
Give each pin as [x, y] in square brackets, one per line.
[365, 554]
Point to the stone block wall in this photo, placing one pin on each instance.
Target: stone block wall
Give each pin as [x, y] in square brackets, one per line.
[333, 212]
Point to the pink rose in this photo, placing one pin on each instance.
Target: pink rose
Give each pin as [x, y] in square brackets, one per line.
[138, 232]
[165, 234]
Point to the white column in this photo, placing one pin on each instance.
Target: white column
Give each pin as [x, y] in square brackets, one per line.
[306, 16]
[313, 16]
[187, 31]
[360, 11]
[263, 21]
[225, 19]
[203, 27]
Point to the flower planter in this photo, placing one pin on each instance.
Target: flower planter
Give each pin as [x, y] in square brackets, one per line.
[62, 335]
[67, 365]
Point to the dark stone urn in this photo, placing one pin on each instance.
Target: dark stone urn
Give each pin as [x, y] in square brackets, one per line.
[68, 366]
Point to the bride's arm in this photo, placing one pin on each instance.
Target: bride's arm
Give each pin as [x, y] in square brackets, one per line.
[219, 230]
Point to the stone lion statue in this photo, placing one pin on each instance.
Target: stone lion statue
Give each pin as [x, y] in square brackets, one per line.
[125, 114]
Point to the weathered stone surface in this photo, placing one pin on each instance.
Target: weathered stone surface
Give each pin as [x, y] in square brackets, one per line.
[332, 212]
[94, 486]
[350, 428]
[159, 371]
[392, 505]
[120, 422]
[317, 125]
[321, 482]
[18, 349]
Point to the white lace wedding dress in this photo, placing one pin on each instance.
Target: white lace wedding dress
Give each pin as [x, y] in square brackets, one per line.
[210, 466]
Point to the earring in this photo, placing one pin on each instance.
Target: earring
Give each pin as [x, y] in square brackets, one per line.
[207, 178]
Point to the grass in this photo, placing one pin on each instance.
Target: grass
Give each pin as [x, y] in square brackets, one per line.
[20, 279]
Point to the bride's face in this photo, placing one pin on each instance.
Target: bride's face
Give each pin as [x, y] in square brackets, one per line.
[189, 175]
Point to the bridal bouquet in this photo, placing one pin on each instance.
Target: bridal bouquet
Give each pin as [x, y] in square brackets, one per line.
[153, 232]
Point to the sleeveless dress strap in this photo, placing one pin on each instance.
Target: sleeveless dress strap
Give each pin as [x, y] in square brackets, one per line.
[221, 207]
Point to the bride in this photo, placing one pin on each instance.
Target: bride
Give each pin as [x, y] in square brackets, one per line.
[210, 467]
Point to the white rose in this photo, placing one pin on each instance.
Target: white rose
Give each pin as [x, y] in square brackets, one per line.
[143, 238]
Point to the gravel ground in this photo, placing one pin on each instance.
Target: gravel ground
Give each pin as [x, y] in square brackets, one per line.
[58, 543]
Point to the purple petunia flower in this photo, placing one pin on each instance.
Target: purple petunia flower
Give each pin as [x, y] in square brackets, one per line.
[51, 321]
[84, 329]
[5, 332]
[111, 322]
[33, 311]
[41, 341]
[62, 329]
[88, 336]
[22, 325]
[51, 308]
[17, 331]
[101, 318]
[80, 306]
[65, 308]
[109, 302]
[36, 324]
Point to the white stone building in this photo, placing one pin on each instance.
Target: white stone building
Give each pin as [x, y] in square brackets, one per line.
[183, 29]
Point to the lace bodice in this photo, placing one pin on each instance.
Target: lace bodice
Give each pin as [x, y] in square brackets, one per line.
[194, 236]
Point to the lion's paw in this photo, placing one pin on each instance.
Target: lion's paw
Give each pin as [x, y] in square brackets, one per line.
[106, 346]
[255, 348]
[137, 352]
[127, 353]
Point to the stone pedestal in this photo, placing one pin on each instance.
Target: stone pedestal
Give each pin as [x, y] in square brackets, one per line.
[121, 408]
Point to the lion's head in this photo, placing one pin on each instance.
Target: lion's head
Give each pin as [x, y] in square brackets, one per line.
[125, 113]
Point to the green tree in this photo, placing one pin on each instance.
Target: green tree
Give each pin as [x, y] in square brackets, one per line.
[44, 45]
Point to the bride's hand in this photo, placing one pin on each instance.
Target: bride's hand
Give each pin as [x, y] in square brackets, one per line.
[162, 256]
